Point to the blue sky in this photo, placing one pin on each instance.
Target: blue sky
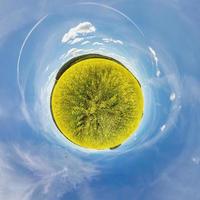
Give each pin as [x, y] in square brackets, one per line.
[35, 163]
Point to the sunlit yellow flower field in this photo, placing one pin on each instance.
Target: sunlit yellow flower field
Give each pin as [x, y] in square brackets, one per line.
[96, 102]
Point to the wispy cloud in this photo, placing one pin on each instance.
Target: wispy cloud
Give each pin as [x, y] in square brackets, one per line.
[97, 43]
[180, 179]
[111, 40]
[85, 42]
[15, 20]
[76, 40]
[191, 90]
[81, 29]
[163, 127]
[158, 72]
[40, 173]
[153, 53]
[172, 96]
[74, 52]
[8, 110]
[196, 160]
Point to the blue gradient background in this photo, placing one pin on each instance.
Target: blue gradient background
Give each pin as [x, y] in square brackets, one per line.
[34, 167]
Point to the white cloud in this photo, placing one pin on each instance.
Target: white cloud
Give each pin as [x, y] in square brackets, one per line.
[76, 40]
[172, 96]
[73, 52]
[153, 53]
[158, 73]
[111, 40]
[97, 43]
[40, 173]
[85, 42]
[62, 56]
[81, 29]
[163, 127]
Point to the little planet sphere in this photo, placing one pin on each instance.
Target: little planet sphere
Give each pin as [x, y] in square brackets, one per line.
[96, 102]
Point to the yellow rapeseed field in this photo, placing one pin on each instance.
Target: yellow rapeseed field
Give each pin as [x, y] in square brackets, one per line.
[96, 102]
